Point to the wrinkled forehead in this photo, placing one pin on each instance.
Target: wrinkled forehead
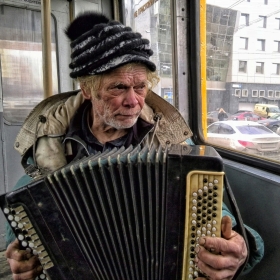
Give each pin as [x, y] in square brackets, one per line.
[126, 74]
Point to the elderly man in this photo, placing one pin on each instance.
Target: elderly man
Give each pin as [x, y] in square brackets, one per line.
[115, 107]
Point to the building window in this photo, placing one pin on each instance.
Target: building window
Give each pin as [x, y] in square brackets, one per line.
[261, 93]
[244, 92]
[276, 46]
[242, 66]
[238, 92]
[277, 94]
[259, 67]
[244, 43]
[244, 19]
[21, 48]
[270, 93]
[255, 93]
[275, 69]
[277, 23]
[262, 21]
[260, 44]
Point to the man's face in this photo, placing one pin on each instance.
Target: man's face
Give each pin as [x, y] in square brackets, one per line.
[121, 97]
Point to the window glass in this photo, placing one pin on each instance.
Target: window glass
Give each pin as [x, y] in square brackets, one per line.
[243, 66]
[251, 72]
[21, 61]
[275, 69]
[153, 20]
[276, 46]
[262, 21]
[260, 45]
[259, 67]
[243, 43]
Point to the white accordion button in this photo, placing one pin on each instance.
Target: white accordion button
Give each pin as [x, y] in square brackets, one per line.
[10, 217]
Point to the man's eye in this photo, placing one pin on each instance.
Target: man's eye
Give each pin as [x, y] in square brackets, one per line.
[120, 87]
[140, 87]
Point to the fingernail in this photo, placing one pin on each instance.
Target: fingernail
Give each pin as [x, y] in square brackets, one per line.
[28, 256]
[39, 268]
[197, 248]
[201, 241]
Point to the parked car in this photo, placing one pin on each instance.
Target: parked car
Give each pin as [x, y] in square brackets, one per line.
[246, 116]
[272, 123]
[266, 110]
[242, 111]
[213, 117]
[246, 136]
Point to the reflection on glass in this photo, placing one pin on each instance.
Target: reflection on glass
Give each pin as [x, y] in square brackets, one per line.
[21, 61]
[243, 59]
[153, 20]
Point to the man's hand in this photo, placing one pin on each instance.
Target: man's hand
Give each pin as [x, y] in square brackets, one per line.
[220, 258]
[23, 264]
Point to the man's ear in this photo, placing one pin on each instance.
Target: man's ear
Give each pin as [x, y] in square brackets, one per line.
[86, 93]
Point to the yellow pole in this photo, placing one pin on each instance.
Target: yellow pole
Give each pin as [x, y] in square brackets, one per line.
[203, 65]
[46, 47]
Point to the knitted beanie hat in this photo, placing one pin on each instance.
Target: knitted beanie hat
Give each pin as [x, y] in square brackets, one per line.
[99, 45]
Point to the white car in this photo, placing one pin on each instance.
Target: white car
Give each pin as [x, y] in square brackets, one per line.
[245, 136]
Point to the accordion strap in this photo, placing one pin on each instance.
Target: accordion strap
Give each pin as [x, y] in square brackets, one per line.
[239, 226]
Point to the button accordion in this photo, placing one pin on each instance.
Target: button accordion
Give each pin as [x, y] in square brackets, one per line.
[134, 213]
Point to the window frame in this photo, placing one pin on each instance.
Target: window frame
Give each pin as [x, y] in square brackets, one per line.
[261, 47]
[276, 69]
[15, 112]
[246, 43]
[255, 93]
[261, 67]
[261, 93]
[244, 92]
[263, 20]
[245, 66]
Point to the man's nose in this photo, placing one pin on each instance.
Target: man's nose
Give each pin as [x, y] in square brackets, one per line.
[130, 98]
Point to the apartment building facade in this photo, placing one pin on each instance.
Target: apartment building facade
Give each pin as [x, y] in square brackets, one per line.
[243, 53]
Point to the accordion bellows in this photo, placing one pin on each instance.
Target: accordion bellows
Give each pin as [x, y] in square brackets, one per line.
[123, 214]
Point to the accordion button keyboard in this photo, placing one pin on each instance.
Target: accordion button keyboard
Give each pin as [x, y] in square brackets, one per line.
[204, 197]
[27, 236]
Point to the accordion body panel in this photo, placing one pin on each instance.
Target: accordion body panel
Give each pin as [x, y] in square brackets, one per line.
[121, 214]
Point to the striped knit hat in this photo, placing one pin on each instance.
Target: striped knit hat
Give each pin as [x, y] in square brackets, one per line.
[99, 45]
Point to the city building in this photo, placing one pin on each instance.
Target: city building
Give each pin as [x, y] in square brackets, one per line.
[243, 53]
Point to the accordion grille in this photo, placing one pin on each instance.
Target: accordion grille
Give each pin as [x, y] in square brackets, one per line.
[114, 207]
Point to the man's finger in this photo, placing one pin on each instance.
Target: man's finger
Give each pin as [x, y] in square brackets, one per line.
[18, 267]
[28, 275]
[14, 252]
[226, 226]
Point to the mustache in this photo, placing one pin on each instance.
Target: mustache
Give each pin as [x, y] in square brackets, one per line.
[129, 112]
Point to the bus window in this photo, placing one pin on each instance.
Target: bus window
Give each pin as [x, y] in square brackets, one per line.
[153, 20]
[240, 59]
[21, 61]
